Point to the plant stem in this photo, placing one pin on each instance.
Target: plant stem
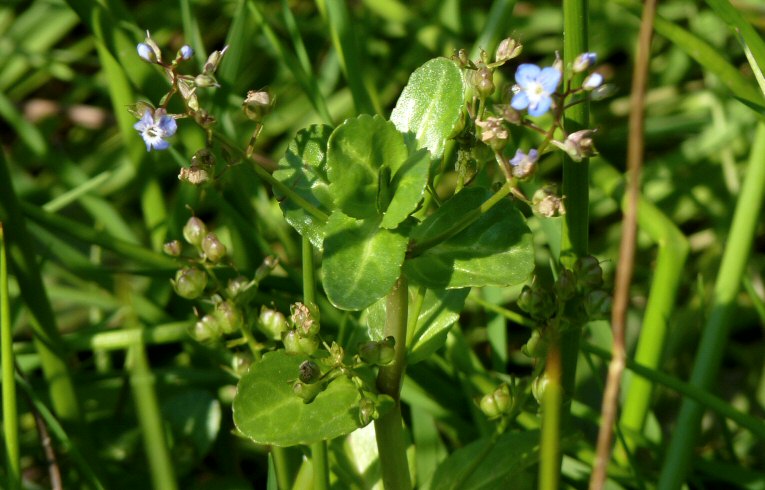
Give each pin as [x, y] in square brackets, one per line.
[319, 448]
[574, 238]
[389, 429]
[715, 332]
[10, 417]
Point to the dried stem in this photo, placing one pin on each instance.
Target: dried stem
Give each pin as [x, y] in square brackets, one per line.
[626, 249]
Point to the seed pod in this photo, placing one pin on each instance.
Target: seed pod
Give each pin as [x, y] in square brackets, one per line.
[213, 248]
[308, 392]
[229, 317]
[172, 248]
[272, 323]
[206, 328]
[310, 372]
[190, 283]
[194, 231]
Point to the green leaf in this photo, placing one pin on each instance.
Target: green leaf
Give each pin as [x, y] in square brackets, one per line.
[495, 250]
[439, 310]
[194, 417]
[304, 170]
[361, 261]
[408, 186]
[268, 412]
[487, 464]
[430, 107]
[358, 150]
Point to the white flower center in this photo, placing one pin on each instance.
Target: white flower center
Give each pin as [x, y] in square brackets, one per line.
[153, 134]
[535, 91]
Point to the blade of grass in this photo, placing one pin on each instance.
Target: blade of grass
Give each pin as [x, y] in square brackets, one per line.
[52, 350]
[347, 45]
[10, 416]
[495, 29]
[715, 332]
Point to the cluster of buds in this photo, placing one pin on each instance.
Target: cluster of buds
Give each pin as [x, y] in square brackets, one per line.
[302, 333]
[575, 297]
[499, 403]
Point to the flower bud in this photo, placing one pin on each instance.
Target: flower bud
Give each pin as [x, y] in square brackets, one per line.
[229, 316]
[593, 81]
[387, 350]
[193, 175]
[257, 105]
[213, 61]
[194, 231]
[493, 132]
[511, 115]
[212, 247]
[461, 57]
[240, 363]
[489, 407]
[185, 52]
[172, 248]
[310, 372]
[236, 286]
[268, 265]
[206, 328]
[203, 158]
[598, 304]
[536, 302]
[524, 165]
[547, 204]
[588, 272]
[205, 81]
[539, 386]
[204, 119]
[308, 392]
[272, 323]
[295, 344]
[583, 62]
[508, 49]
[565, 285]
[336, 354]
[367, 411]
[536, 346]
[497, 403]
[139, 109]
[578, 145]
[483, 81]
[558, 63]
[303, 319]
[190, 283]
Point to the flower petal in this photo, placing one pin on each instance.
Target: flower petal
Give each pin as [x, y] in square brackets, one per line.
[542, 106]
[161, 145]
[520, 101]
[168, 125]
[526, 73]
[549, 78]
[145, 121]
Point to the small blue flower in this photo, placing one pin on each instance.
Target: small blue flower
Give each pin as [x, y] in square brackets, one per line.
[154, 131]
[583, 62]
[593, 81]
[534, 88]
[186, 52]
[524, 164]
[145, 52]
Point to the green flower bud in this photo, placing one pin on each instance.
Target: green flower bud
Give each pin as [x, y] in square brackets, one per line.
[367, 411]
[503, 398]
[539, 386]
[387, 350]
[139, 109]
[310, 372]
[213, 248]
[598, 304]
[536, 302]
[483, 82]
[295, 344]
[489, 407]
[588, 272]
[172, 248]
[308, 392]
[205, 81]
[240, 363]
[189, 283]
[565, 286]
[272, 323]
[236, 286]
[336, 354]
[213, 61]
[268, 265]
[369, 352]
[194, 231]
[537, 345]
[229, 317]
[206, 328]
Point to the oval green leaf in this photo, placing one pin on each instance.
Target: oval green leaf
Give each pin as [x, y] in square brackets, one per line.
[408, 186]
[304, 170]
[495, 250]
[361, 261]
[430, 107]
[268, 412]
[357, 150]
[439, 310]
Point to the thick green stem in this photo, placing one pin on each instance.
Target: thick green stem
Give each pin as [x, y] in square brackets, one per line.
[389, 429]
[10, 417]
[715, 332]
[318, 449]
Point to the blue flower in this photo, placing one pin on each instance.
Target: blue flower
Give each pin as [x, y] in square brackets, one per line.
[145, 52]
[534, 88]
[583, 62]
[524, 164]
[154, 130]
[186, 52]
